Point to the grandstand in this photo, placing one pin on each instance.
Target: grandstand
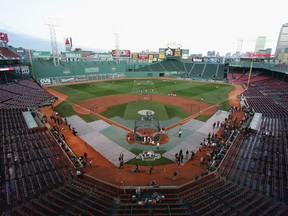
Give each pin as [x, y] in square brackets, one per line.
[38, 168]
[200, 71]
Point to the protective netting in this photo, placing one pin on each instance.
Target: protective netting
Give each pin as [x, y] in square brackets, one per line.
[147, 129]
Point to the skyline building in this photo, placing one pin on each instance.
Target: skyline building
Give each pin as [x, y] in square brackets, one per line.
[282, 43]
[260, 43]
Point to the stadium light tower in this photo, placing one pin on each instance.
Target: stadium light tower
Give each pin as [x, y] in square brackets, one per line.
[250, 72]
[117, 48]
[240, 45]
[55, 55]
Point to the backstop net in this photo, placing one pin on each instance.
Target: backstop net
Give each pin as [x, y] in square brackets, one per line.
[147, 128]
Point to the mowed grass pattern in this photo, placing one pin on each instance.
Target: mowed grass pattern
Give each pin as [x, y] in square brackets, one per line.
[129, 111]
[213, 93]
[132, 109]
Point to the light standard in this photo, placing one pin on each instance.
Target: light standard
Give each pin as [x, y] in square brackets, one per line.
[250, 72]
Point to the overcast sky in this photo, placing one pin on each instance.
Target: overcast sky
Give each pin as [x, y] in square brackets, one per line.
[151, 24]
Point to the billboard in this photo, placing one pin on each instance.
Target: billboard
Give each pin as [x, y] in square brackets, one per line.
[122, 53]
[45, 81]
[196, 59]
[143, 56]
[162, 53]
[185, 53]
[41, 54]
[22, 70]
[213, 60]
[135, 55]
[104, 55]
[261, 55]
[173, 52]
[73, 55]
[68, 43]
[92, 70]
[151, 58]
[4, 37]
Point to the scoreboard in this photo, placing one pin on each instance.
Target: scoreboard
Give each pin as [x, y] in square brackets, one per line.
[173, 52]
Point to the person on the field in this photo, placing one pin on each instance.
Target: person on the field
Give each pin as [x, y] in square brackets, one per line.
[91, 163]
[150, 169]
[174, 175]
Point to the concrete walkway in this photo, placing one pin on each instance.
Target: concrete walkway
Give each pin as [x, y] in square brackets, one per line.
[197, 132]
[91, 134]
[97, 134]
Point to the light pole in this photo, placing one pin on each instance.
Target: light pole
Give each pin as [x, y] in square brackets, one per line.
[250, 72]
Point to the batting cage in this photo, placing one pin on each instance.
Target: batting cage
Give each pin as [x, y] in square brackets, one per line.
[147, 128]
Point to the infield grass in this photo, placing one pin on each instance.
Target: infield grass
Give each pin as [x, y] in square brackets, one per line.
[129, 111]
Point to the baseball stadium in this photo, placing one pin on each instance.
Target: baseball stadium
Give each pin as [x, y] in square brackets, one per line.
[121, 133]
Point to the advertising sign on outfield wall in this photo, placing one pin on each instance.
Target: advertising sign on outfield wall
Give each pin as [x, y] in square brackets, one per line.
[121, 53]
[73, 55]
[46, 81]
[92, 70]
[41, 54]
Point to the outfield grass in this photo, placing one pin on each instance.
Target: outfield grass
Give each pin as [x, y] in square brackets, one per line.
[212, 93]
[65, 110]
[129, 111]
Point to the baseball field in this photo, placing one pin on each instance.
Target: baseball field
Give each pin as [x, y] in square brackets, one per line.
[124, 98]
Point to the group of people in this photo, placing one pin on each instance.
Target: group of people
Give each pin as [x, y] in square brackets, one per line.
[84, 158]
[136, 169]
[179, 157]
[148, 139]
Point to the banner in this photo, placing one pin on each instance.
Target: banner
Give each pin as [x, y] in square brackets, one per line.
[22, 70]
[161, 53]
[92, 70]
[135, 55]
[104, 55]
[151, 57]
[121, 53]
[46, 81]
[178, 52]
[41, 54]
[185, 53]
[21, 52]
[143, 56]
[65, 80]
[73, 55]
[261, 55]
[213, 60]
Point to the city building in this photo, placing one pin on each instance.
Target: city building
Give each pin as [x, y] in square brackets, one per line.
[260, 43]
[282, 43]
